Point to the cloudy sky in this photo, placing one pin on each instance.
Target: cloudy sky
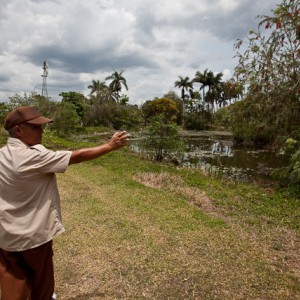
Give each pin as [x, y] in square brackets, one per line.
[152, 41]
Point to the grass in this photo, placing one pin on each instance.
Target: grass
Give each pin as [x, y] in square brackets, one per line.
[142, 230]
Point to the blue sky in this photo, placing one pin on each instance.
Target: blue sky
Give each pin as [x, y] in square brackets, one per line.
[152, 41]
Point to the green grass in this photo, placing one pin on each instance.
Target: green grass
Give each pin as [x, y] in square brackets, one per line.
[134, 232]
[142, 230]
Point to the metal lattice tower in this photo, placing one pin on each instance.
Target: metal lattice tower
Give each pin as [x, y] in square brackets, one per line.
[45, 74]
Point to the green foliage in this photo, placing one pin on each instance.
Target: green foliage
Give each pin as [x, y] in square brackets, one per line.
[173, 96]
[124, 99]
[209, 80]
[185, 84]
[162, 137]
[65, 119]
[258, 121]
[197, 120]
[104, 112]
[270, 68]
[294, 175]
[3, 136]
[166, 108]
[18, 100]
[45, 106]
[97, 87]
[117, 81]
[4, 110]
[222, 118]
[77, 99]
[126, 117]
[291, 173]
[248, 125]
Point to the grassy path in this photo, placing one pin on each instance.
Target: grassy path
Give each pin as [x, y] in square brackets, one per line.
[137, 230]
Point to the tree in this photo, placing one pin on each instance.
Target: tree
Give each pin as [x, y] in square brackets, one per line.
[124, 99]
[185, 84]
[4, 110]
[126, 117]
[162, 137]
[173, 96]
[77, 99]
[216, 88]
[272, 53]
[208, 79]
[117, 81]
[202, 78]
[269, 67]
[65, 118]
[160, 106]
[44, 105]
[97, 87]
[101, 109]
[230, 91]
[214, 85]
[290, 174]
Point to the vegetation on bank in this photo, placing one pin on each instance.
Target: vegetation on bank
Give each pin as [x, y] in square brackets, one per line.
[142, 230]
[136, 229]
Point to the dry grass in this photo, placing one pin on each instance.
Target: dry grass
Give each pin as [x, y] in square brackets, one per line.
[281, 244]
[150, 236]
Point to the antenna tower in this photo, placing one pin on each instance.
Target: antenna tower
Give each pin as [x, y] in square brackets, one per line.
[45, 74]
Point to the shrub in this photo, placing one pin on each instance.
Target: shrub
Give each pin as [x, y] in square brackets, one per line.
[197, 120]
[290, 174]
[162, 138]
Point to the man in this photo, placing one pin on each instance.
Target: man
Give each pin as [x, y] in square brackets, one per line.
[30, 215]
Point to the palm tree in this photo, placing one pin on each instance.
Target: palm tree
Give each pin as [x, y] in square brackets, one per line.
[208, 79]
[185, 84]
[97, 86]
[202, 79]
[214, 87]
[116, 84]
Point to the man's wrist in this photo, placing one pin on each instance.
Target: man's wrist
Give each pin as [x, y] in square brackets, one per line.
[110, 145]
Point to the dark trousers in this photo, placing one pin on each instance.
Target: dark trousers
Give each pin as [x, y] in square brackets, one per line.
[27, 275]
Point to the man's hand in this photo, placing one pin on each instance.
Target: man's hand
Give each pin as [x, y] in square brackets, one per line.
[119, 140]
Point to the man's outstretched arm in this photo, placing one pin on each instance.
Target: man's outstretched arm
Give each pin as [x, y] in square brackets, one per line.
[117, 141]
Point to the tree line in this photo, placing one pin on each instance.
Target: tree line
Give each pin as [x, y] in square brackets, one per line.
[260, 104]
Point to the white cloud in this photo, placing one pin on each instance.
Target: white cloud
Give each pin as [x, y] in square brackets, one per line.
[228, 5]
[154, 42]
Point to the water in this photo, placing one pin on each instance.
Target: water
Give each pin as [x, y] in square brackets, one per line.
[217, 155]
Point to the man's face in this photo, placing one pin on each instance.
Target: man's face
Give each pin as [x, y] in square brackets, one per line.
[29, 134]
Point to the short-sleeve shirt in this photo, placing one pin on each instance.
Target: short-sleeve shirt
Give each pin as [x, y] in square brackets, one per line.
[30, 213]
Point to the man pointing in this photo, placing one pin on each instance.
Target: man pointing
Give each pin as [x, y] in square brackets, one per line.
[30, 214]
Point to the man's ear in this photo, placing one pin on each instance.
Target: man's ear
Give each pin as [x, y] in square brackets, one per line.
[17, 131]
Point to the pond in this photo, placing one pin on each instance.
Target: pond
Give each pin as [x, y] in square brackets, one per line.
[214, 153]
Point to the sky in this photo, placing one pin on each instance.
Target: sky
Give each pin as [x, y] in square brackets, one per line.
[153, 42]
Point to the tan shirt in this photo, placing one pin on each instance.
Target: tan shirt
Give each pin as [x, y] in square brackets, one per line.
[30, 213]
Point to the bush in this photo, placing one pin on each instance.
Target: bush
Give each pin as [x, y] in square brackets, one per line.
[65, 119]
[162, 138]
[197, 120]
[253, 134]
[221, 118]
[290, 175]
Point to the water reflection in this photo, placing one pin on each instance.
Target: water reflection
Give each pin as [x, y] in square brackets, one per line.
[219, 156]
[220, 147]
